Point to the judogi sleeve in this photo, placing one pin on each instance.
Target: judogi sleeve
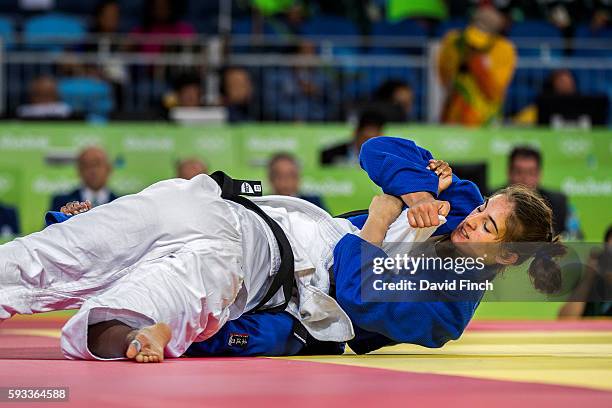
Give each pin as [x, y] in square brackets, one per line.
[257, 334]
[430, 324]
[398, 166]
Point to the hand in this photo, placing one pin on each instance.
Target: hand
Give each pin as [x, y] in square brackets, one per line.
[75, 207]
[444, 172]
[425, 213]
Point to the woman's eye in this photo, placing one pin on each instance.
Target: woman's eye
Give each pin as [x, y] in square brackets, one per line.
[486, 229]
[480, 209]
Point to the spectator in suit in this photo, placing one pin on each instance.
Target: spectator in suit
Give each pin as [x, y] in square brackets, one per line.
[525, 167]
[191, 167]
[94, 170]
[285, 177]
[371, 124]
[9, 222]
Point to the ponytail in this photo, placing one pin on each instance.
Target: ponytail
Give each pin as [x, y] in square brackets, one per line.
[544, 271]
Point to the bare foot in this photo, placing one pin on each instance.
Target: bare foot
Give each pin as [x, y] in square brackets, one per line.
[152, 339]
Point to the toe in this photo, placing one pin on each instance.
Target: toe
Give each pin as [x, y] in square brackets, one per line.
[139, 358]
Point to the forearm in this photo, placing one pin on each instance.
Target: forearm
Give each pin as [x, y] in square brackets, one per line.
[374, 231]
[412, 198]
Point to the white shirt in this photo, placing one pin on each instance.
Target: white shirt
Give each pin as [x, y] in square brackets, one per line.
[96, 198]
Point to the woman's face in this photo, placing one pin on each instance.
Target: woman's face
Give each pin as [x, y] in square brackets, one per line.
[486, 225]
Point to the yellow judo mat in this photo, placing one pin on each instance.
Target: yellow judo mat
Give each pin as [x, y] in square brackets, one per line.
[502, 364]
[576, 358]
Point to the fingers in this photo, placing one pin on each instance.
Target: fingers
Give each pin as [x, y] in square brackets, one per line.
[440, 167]
[426, 214]
[444, 208]
[75, 207]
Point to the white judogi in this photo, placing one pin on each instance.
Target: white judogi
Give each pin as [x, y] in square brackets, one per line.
[178, 253]
[175, 253]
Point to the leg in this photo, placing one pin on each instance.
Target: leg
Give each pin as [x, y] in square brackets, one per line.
[59, 267]
[114, 339]
[170, 302]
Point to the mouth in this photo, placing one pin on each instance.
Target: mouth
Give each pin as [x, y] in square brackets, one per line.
[463, 232]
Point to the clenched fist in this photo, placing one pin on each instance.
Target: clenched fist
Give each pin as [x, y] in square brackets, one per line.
[425, 213]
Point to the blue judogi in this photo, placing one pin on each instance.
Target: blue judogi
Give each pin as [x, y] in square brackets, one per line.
[399, 167]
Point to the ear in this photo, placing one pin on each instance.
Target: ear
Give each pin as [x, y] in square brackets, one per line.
[506, 258]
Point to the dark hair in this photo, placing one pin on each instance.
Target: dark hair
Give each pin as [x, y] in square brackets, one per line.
[177, 9]
[608, 234]
[385, 91]
[101, 5]
[371, 117]
[187, 79]
[548, 87]
[527, 152]
[531, 221]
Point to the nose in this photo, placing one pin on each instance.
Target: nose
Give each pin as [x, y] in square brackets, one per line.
[470, 223]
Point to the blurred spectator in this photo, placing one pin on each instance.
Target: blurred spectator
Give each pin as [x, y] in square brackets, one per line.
[106, 29]
[560, 82]
[107, 17]
[187, 93]
[237, 94]
[44, 101]
[191, 167]
[163, 18]
[525, 167]
[590, 295]
[94, 170]
[475, 66]
[284, 175]
[371, 124]
[301, 93]
[398, 98]
[9, 222]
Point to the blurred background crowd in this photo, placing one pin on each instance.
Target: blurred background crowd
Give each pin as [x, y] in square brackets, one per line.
[473, 62]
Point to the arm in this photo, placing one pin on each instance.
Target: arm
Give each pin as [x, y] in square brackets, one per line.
[402, 168]
[430, 324]
[398, 166]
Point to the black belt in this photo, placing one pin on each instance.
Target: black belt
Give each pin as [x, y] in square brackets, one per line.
[233, 190]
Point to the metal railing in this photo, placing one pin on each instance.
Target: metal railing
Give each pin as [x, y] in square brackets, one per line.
[344, 71]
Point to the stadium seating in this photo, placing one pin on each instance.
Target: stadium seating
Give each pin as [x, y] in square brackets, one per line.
[88, 96]
[453, 24]
[532, 29]
[404, 28]
[70, 30]
[7, 33]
